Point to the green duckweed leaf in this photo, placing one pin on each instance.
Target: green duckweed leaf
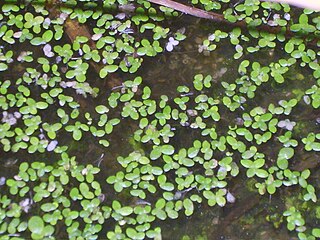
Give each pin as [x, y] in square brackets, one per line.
[108, 69]
[84, 190]
[188, 205]
[286, 153]
[36, 225]
[167, 149]
[125, 211]
[3, 67]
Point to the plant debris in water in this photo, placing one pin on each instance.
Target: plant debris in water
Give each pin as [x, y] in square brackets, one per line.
[96, 151]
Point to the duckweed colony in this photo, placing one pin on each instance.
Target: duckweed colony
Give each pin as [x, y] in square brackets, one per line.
[121, 118]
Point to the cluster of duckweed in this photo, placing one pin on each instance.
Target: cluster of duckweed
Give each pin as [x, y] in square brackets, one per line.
[45, 82]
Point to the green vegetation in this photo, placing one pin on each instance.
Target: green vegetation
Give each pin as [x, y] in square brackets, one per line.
[177, 149]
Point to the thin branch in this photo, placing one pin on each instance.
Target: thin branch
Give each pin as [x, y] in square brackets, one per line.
[189, 10]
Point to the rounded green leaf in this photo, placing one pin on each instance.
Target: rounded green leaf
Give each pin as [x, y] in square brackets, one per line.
[108, 69]
[188, 205]
[125, 211]
[77, 134]
[3, 67]
[286, 153]
[36, 224]
[167, 149]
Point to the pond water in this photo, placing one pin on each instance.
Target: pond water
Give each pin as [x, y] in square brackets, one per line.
[247, 217]
[236, 120]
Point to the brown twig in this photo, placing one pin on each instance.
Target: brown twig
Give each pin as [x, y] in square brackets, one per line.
[189, 10]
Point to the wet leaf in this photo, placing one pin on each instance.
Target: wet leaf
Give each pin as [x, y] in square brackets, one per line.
[188, 205]
[36, 225]
[286, 153]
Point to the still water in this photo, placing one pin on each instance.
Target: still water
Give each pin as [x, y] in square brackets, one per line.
[247, 215]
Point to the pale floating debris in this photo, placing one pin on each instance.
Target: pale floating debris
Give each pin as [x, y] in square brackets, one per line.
[272, 23]
[17, 177]
[102, 197]
[127, 31]
[181, 193]
[17, 34]
[47, 50]
[10, 118]
[45, 77]
[2, 181]
[142, 202]
[25, 204]
[134, 89]
[230, 198]
[185, 124]
[307, 99]
[96, 36]
[287, 16]
[52, 145]
[276, 16]
[127, 8]
[58, 59]
[12, 121]
[71, 84]
[194, 125]
[203, 49]
[286, 124]
[192, 112]
[222, 171]
[223, 70]
[212, 37]
[121, 16]
[239, 121]
[172, 42]
[22, 55]
[84, 171]
[42, 136]
[186, 94]
[47, 22]
[64, 16]
[214, 163]
[17, 114]
[26, 138]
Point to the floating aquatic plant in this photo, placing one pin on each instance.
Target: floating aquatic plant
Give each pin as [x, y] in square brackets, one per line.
[52, 71]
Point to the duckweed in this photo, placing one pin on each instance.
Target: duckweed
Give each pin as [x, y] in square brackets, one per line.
[68, 92]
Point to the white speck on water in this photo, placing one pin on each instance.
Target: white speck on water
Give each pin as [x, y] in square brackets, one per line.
[96, 36]
[52, 145]
[47, 50]
[286, 124]
[171, 44]
[230, 198]
[2, 181]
